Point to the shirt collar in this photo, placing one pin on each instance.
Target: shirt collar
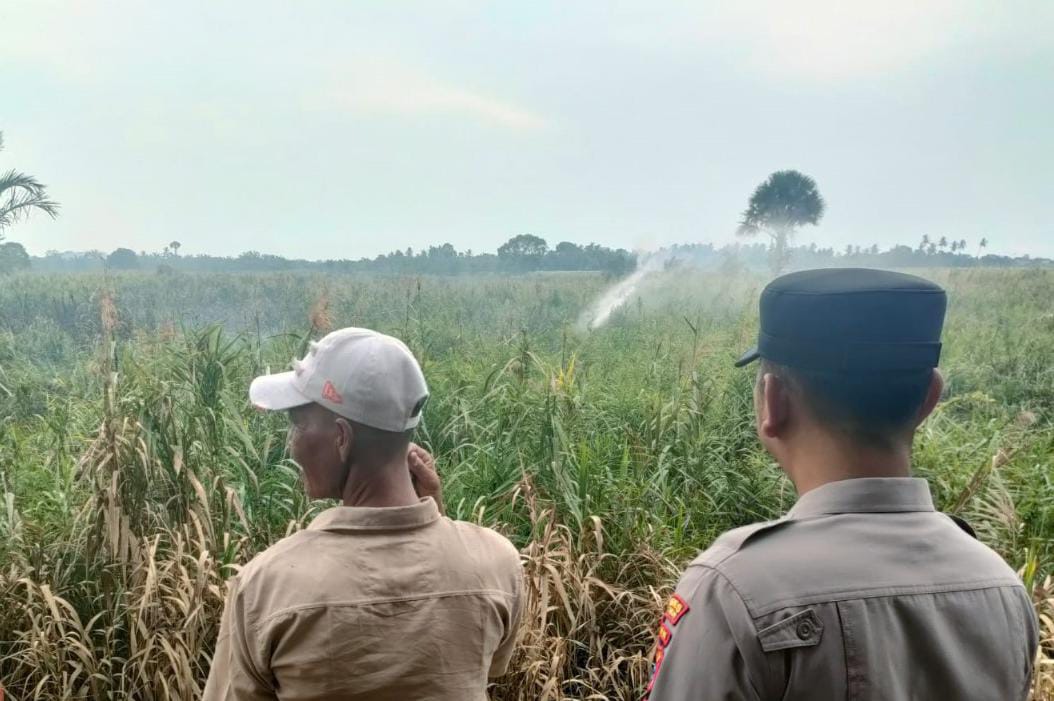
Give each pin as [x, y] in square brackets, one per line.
[865, 495]
[368, 518]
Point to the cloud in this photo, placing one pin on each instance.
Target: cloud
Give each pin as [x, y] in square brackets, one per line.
[830, 40]
[834, 40]
[67, 40]
[380, 87]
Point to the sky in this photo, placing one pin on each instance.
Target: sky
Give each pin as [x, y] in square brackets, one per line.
[330, 129]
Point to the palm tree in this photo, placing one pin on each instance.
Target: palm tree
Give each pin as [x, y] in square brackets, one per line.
[943, 243]
[175, 248]
[786, 200]
[983, 244]
[925, 242]
[19, 195]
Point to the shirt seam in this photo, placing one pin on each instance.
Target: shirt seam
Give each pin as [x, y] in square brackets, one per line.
[383, 600]
[869, 509]
[753, 623]
[836, 596]
[340, 528]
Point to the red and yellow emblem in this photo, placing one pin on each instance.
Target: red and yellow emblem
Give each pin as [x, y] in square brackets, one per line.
[675, 610]
[665, 634]
[676, 607]
[659, 654]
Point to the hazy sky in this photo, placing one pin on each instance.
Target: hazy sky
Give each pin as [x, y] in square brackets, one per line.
[339, 130]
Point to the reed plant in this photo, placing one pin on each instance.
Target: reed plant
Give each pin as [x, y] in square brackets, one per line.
[136, 479]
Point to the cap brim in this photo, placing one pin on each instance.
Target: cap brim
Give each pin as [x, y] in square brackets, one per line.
[276, 392]
[749, 357]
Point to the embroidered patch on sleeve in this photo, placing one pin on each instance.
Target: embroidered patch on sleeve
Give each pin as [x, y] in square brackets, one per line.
[660, 653]
[665, 634]
[676, 607]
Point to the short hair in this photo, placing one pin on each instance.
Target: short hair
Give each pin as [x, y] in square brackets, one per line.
[873, 408]
[378, 442]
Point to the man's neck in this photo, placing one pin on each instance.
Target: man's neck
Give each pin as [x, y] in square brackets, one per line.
[822, 459]
[380, 485]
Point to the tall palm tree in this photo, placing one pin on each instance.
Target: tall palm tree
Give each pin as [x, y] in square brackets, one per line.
[20, 194]
[786, 200]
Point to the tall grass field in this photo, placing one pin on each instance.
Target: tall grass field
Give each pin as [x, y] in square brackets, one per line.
[136, 478]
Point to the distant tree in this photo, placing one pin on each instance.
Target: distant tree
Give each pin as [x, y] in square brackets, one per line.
[982, 244]
[786, 200]
[567, 256]
[962, 244]
[523, 252]
[19, 195]
[122, 259]
[13, 257]
[931, 249]
[175, 245]
[925, 242]
[943, 243]
[955, 246]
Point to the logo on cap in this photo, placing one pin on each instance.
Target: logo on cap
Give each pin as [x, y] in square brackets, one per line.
[329, 392]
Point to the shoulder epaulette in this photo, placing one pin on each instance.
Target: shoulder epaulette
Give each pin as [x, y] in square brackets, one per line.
[731, 542]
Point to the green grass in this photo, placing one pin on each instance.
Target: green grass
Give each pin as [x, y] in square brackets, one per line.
[134, 472]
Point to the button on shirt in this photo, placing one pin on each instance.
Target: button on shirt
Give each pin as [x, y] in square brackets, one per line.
[862, 592]
[371, 603]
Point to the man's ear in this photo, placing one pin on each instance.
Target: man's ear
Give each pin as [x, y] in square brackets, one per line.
[345, 439]
[933, 395]
[774, 406]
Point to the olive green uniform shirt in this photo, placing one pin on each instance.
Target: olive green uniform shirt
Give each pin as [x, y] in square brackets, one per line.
[387, 604]
[862, 592]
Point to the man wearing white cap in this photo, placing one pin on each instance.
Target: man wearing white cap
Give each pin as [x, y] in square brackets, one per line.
[382, 597]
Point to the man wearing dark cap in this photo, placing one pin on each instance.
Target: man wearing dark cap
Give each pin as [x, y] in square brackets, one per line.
[862, 591]
[382, 598]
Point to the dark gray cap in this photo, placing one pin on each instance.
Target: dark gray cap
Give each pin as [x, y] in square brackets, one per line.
[850, 319]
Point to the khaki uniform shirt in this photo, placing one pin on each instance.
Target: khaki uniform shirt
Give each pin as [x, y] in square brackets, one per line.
[862, 592]
[371, 603]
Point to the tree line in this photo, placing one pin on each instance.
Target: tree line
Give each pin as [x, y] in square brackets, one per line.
[781, 204]
[524, 256]
[520, 254]
[758, 256]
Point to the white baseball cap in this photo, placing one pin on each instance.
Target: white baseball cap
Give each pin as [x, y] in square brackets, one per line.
[360, 374]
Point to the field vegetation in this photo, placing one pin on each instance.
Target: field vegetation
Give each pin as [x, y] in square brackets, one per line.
[136, 478]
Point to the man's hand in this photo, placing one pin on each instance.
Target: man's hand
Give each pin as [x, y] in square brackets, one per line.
[423, 474]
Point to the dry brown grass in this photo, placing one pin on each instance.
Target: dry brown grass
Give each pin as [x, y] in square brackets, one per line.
[588, 618]
[1043, 689]
[125, 603]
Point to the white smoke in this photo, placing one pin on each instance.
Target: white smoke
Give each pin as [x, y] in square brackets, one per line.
[598, 313]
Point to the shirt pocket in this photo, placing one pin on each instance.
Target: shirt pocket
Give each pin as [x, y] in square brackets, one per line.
[802, 646]
[803, 629]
